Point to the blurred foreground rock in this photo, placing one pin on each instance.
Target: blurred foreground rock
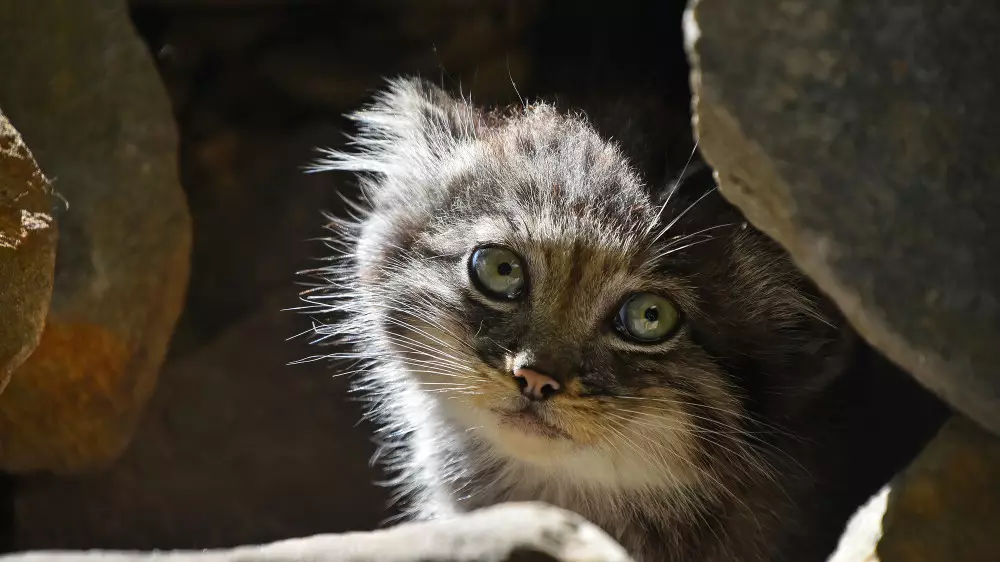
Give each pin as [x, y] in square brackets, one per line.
[862, 136]
[27, 250]
[83, 91]
[859, 541]
[515, 532]
[946, 506]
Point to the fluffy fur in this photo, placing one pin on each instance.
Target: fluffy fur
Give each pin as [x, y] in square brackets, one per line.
[713, 445]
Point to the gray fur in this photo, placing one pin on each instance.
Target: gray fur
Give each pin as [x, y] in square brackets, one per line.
[692, 449]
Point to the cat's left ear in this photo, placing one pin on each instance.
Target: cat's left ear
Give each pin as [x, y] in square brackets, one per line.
[409, 128]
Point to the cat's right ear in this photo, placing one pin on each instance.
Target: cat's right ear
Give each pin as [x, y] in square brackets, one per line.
[411, 126]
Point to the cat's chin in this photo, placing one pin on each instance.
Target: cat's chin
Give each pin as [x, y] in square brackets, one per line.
[529, 423]
[518, 434]
[544, 451]
[520, 437]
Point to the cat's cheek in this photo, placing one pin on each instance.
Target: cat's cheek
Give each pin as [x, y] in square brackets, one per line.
[464, 414]
[427, 347]
[474, 405]
[581, 419]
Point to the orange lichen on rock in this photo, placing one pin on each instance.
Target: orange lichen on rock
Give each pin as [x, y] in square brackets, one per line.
[74, 404]
[76, 372]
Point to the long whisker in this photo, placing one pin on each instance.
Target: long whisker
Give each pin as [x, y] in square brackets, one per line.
[404, 308]
[677, 402]
[415, 347]
[701, 471]
[666, 253]
[680, 239]
[732, 433]
[673, 189]
[677, 218]
[710, 436]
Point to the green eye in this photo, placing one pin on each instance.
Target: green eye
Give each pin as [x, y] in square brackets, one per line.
[498, 272]
[647, 318]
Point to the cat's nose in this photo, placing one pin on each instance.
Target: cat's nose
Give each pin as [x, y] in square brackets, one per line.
[535, 385]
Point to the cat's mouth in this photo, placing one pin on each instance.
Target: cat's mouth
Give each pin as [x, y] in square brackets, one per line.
[529, 421]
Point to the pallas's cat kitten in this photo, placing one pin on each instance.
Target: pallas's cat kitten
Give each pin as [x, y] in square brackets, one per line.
[537, 320]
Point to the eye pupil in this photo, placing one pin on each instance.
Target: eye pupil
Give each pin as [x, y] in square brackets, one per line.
[647, 318]
[651, 314]
[497, 272]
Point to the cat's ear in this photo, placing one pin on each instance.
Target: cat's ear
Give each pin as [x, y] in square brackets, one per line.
[409, 128]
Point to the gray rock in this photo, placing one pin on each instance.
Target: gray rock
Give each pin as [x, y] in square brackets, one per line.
[86, 97]
[862, 136]
[514, 532]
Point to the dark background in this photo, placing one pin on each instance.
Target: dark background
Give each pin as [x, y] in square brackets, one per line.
[237, 446]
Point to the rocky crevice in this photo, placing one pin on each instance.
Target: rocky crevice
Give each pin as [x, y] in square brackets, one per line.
[162, 200]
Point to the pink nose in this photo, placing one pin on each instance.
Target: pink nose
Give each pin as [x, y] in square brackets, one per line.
[535, 385]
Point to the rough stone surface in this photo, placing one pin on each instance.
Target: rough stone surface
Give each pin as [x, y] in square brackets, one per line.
[945, 507]
[862, 136]
[89, 103]
[515, 532]
[27, 250]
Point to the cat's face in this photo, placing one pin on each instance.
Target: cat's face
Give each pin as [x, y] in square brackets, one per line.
[560, 314]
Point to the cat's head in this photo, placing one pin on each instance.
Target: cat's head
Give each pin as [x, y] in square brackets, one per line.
[515, 271]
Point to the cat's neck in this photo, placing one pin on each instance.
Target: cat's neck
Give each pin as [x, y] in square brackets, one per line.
[657, 523]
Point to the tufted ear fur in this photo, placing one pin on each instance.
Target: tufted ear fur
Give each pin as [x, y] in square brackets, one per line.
[404, 134]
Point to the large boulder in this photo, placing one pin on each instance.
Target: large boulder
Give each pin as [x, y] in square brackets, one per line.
[84, 93]
[27, 250]
[862, 136]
